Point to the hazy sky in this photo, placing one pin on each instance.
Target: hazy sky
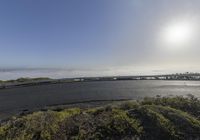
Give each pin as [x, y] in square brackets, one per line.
[71, 38]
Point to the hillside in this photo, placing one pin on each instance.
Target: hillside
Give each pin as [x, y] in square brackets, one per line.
[151, 118]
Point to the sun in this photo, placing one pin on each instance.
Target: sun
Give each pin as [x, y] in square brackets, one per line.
[178, 34]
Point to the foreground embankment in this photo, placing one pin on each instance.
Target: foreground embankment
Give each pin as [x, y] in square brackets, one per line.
[150, 118]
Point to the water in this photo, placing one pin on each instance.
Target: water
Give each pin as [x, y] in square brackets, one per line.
[16, 99]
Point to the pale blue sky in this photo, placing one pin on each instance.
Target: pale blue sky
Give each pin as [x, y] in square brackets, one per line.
[70, 38]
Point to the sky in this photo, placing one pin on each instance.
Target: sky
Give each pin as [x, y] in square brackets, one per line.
[75, 38]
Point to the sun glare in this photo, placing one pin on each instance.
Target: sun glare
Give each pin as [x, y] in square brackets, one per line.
[178, 34]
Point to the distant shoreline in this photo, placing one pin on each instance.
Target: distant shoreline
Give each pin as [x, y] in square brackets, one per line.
[23, 82]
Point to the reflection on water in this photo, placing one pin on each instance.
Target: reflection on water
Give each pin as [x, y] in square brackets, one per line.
[39, 96]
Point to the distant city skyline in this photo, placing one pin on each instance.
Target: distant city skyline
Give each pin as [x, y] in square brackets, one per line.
[73, 38]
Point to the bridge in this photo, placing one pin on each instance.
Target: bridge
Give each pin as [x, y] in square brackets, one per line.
[185, 76]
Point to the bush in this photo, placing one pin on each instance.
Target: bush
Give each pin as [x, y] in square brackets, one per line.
[151, 118]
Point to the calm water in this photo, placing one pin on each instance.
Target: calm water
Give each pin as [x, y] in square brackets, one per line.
[16, 99]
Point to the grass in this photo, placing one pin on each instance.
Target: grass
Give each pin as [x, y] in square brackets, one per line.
[152, 119]
[22, 80]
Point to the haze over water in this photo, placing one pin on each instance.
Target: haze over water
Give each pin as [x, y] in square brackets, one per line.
[98, 38]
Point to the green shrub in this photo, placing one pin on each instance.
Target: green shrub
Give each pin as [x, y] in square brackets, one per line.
[190, 105]
[152, 119]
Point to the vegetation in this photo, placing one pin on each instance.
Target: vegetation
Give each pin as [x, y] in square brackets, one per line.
[152, 118]
[21, 80]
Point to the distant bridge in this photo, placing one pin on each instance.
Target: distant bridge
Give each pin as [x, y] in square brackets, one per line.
[185, 76]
